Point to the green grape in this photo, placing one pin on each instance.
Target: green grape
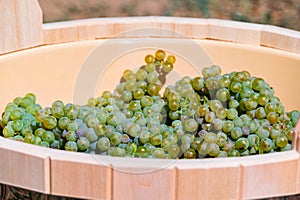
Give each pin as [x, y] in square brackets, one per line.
[233, 103]
[29, 138]
[134, 130]
[71, 111]
[233, 153]
[242, 144]
[222, 154]
[229, 145]
[176, 123]
[33, 109]
[198, 83]
[236, 132]
[235, 87]
[128, 75]
[130, 85]
[159, 153]
[116, 138]
[221, 139]
[262, 132]
[190, 125]
[258, 84]
[36, 140]
[150, 67]
[231, 113]
[55, 144]
[26, 129]
[223, 94]
[144, 136]
[71, 136]
[134, 106]
[138, 93]
[272, 117]
[260, 113]
[91, 135]
[227, 126]
[281, 141]
[207, 72]
[45, 144]
[141, 74]
[160, 55]
[39, 132]
[146, 100]
[141, 151]
[63, 122]
[71, 146]
[16, 114]
[153, 89]
[203, 149]
[262, 99]
[174, 151]
[72, 126]
[265, 145]
[213, 149]
[48, 136]
[26, 101]
[190, 154]
[210, 137]
[221, 113]
[238, 122]
[8, 131]
[209, 117]
[50, 122]
[155, 139]
[17, 125]
[103, 144]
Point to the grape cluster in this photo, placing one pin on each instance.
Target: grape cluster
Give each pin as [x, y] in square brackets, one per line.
[212, 115]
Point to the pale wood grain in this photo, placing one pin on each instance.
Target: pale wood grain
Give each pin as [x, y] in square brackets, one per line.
[281, 38]
[232, 31]
[270, 175]
[20, 25]
[140, 178]
[208, 179]
[79, 175]
[170, 27]
[24, 165]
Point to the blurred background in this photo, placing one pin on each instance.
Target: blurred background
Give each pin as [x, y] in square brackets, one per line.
[284, 13]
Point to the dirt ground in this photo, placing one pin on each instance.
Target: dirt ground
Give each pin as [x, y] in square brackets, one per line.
[277, 12]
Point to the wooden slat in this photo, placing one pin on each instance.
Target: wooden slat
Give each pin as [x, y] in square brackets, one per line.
[233, 31]
[281, 38]
[209, 179]
[79, 175]
[172, 27]
[24, 165]
[270, 175]
[139, 178]
[20, 25]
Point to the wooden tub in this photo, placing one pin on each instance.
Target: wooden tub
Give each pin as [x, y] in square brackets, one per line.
[50, 61]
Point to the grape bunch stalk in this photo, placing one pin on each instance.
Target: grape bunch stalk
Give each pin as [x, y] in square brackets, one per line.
[207, 116]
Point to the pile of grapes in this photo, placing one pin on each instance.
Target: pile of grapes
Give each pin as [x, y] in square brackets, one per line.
[212, 115]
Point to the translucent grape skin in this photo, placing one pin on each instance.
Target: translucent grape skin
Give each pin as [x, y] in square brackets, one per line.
[207, 116]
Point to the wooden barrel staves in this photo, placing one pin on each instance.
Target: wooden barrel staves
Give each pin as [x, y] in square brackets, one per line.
[52, 57]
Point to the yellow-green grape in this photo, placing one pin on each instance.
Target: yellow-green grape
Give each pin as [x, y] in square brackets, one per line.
[103, 144]
[17, 125]
[141, 151]
[26, 101]
[48, 136]
[190, 125]
[190, 154]
[71, 136]
[91, 135]
[281, 141]
[29, 138]
[8, 131]
[107, 94]
[149, 59]
[213, 149]
[71, 146]
[153, 89]
[71, 111]
[265, 145]
[63, 122]
[155, 139]
[159, 153]
[160, 55]
[45, 144]
[242, 144]
[83, 143]
[50, 122]
[37, 140]
[33, 109]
